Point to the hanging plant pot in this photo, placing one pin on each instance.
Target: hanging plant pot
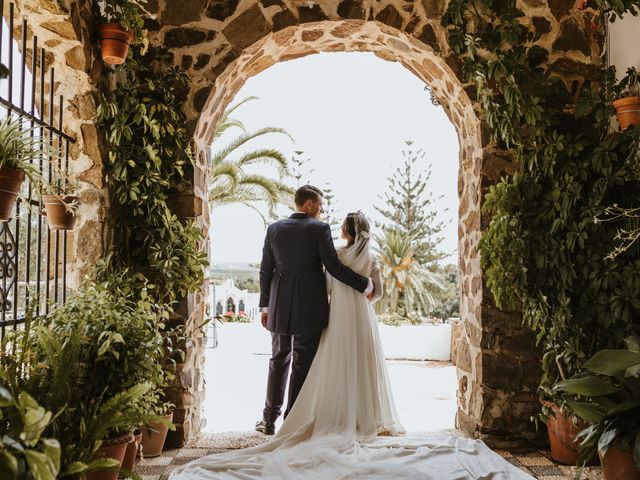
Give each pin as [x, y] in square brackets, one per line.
[114, 43]
[113, 448]
[153, 437]
[10, 183]
[133, 447]
[619, 465]
[59, 216]
[562, 435]
[627, 111]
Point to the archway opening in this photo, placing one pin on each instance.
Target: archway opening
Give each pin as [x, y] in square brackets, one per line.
[382, 171]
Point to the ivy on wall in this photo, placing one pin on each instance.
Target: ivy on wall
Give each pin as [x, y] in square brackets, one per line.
[149, 155]
[544, 252]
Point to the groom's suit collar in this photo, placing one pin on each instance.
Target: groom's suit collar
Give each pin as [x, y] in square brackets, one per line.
[299, 215]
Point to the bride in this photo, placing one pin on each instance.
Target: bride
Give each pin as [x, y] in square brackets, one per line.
[344, 424]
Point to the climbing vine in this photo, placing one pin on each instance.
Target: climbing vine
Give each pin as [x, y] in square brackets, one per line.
[545, 252]
[148, 156]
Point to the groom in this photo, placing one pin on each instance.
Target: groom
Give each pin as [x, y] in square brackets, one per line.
[293, 296]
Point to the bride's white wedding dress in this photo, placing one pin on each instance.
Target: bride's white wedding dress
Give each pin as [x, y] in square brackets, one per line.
[345, 403]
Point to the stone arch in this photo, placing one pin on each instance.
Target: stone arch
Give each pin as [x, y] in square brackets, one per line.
[219, 309]
[388, 43]
[241, 306]
[227, 42]
[221, 43]
[393, 45]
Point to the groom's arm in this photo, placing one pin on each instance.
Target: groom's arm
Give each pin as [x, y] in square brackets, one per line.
[334, 266]
[266, 273]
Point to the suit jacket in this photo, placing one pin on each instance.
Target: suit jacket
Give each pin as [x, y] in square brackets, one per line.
[292, 280]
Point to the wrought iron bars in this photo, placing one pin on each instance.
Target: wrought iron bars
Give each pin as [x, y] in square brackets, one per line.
[33, 259]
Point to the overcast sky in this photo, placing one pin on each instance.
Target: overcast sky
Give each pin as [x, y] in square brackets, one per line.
[351, 114]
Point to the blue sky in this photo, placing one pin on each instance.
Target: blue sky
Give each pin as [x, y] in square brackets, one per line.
[350, 113]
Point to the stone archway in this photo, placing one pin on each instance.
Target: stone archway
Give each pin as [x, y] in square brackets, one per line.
[496, 394]
[223, 42]
[389, 44]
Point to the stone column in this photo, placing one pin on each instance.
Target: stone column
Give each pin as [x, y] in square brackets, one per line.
[188, 390]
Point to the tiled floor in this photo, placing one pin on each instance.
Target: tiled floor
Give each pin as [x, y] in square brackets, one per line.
[538, 464]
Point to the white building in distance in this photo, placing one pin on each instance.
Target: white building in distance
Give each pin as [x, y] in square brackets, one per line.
[226, 297]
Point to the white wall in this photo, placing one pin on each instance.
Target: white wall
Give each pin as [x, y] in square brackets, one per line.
[624, 43]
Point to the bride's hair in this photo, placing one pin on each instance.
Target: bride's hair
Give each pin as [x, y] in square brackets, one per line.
[350, 222]
[358, 229]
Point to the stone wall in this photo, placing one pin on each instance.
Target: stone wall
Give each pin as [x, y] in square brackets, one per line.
[221, 43]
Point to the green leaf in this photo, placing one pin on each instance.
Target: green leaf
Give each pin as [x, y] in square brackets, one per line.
[6, 398]
[633, 343]
[612, 362]
[8, 465]
[587, 411]
[608, 436]
[75, 468]
[52, 450]
[34, 417]
[590, 386]
[41, 466]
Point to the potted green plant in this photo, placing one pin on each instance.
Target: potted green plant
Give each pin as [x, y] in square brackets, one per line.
[61, 201]
[18, 148]
[563, 428]
[627, 99]
[122, 23]
[154, 434]
[105, 342]
[607, 394]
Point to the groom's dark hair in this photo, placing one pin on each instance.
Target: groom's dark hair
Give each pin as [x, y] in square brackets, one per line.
[307, 192]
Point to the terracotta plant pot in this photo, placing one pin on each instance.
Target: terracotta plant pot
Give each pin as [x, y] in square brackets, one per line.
[112, 448]
[627, 111]
[114, 43]
[10, 183]
[619, 465]
[58, 215]
[562, 434]
[153, 437]
[131, 453]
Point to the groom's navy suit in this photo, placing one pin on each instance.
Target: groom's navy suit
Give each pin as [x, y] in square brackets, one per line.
[293, 287]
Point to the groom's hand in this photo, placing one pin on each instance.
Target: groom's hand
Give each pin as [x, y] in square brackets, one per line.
[263, 318]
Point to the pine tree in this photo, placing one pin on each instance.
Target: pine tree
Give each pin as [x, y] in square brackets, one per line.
[408, 208]
[330, 214]
[300, 171]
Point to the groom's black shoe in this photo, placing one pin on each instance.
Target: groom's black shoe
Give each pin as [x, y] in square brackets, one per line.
[266, 427]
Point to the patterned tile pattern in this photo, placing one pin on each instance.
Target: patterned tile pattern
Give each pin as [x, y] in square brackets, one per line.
[536, 463]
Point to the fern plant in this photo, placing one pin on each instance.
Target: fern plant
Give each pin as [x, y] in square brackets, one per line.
[105, 343]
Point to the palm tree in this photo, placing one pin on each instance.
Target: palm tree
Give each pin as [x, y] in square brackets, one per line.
[406, 282]
[229, 181]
